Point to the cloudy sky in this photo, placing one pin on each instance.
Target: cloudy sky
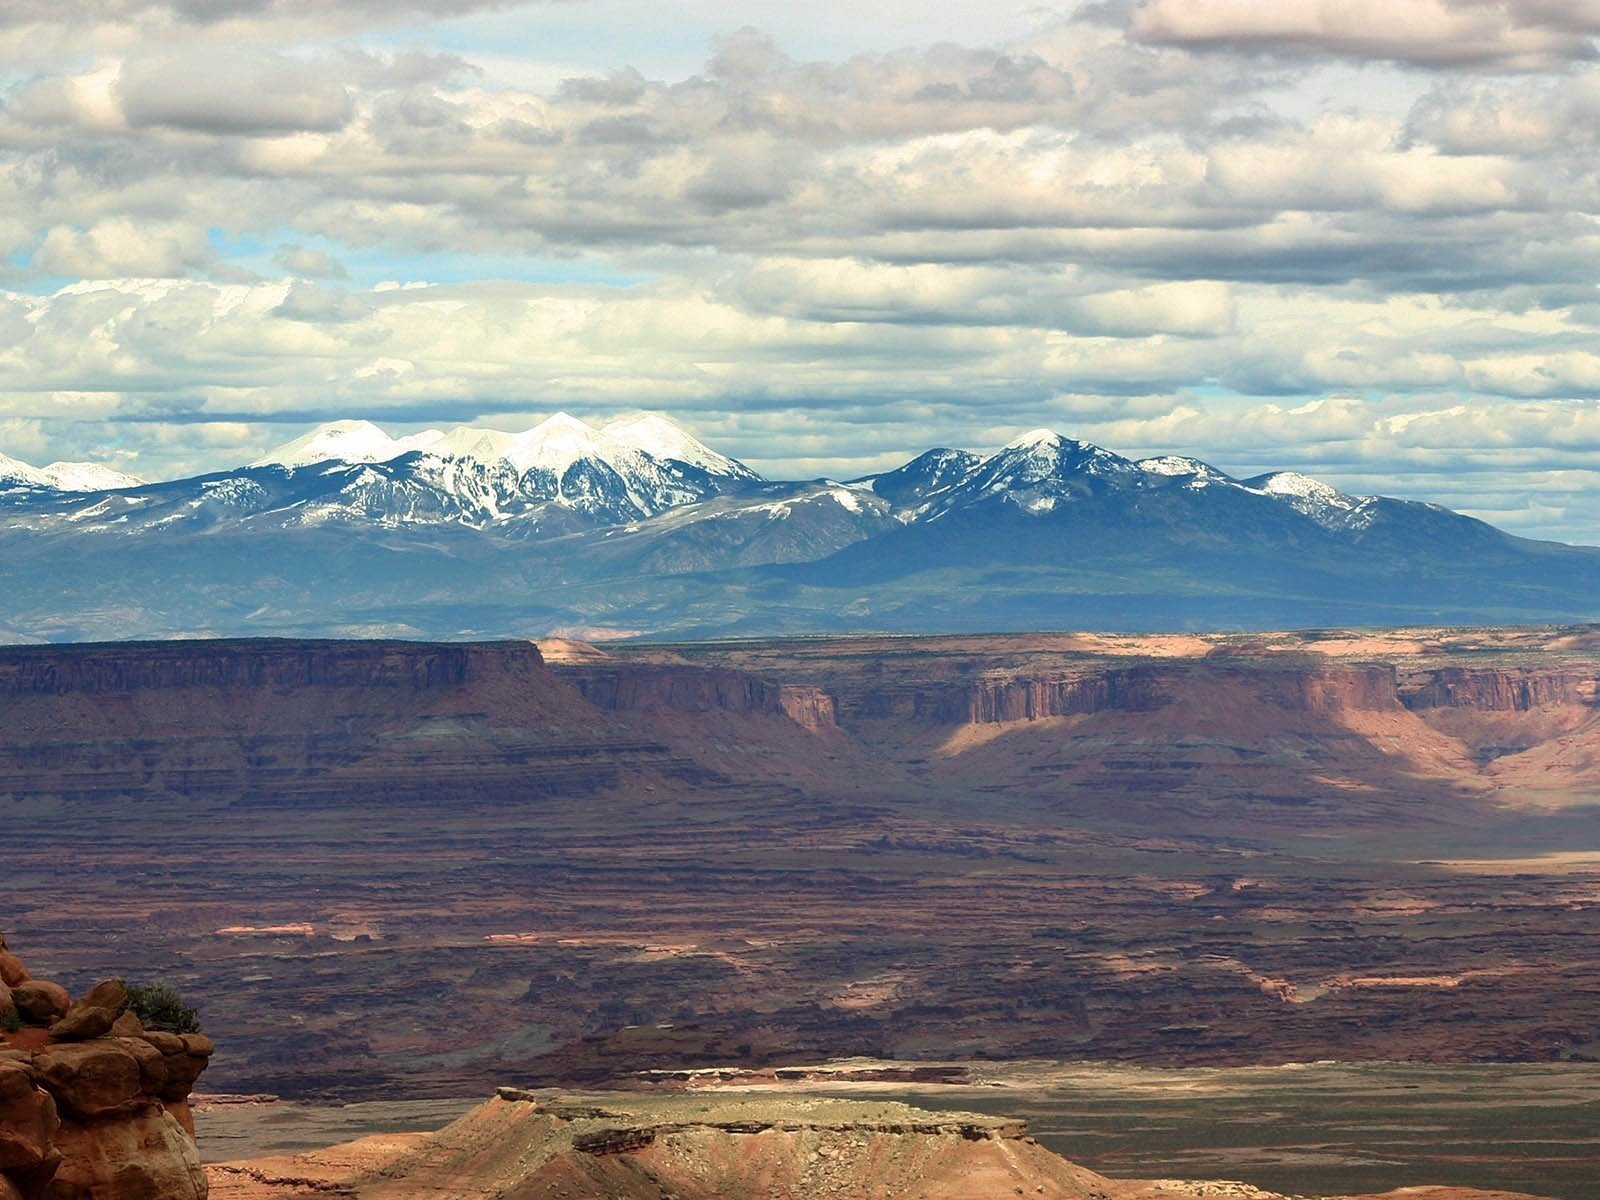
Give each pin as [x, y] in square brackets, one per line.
[1353, 237]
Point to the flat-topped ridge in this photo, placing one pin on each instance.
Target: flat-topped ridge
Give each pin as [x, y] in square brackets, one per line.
[120, 667]
[640, 1120]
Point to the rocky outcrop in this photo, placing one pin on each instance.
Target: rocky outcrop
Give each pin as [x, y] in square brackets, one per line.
[1499, 689]
[651, 687]
[92, 1105]
[809, 707]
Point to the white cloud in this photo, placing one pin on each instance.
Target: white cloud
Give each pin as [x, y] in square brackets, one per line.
[1437, 33]
[227, 93]
[120, 246]
[1155, 233]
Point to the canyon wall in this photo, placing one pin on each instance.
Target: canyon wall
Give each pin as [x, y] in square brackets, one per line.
[297, 723]
[1500, 689]
[258, 663]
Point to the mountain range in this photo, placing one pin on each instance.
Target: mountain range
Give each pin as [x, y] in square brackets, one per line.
[637, 528]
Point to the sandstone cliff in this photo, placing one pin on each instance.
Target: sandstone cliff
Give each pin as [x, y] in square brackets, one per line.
[300, 723]
[653, 687]
[93, 1106]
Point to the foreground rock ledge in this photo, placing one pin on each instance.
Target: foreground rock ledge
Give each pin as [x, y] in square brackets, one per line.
[537, 1145]
[92, 1105]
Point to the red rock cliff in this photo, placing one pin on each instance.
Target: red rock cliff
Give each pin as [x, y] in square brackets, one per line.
[655, 687]
[133, 667]
[1016, 697]
[1505, 689]
[298, 722]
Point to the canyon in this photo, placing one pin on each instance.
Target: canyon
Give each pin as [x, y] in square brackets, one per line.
[394, 869]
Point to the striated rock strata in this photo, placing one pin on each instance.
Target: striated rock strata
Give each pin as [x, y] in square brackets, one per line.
[298, 724]
[92, 1105]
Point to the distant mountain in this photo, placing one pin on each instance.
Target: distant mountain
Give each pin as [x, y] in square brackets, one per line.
[636, 527]
[61, 477]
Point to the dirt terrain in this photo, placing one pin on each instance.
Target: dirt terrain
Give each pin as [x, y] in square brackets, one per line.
[393, 870]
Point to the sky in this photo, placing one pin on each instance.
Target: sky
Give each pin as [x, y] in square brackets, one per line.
[1356, 238]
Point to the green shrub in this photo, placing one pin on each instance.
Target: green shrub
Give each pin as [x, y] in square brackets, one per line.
[10, 1022]
[158, 1006]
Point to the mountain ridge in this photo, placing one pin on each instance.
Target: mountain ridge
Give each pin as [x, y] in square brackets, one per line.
[638, 528]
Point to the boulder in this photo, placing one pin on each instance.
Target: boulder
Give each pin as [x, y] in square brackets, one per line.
[12, 972]
[152, 1064]
[108, 993]
[167, 1043]
[145, 1157]
[81, 1024]
[28, 1121]
[185, 1055]
[127, 1025]
[92, 1014]
[184, 1115]
[8, 1006]
[40, 1002]
[91, 1079]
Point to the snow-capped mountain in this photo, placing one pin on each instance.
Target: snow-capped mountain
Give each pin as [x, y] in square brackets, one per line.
[629, 468]
[1042, 471]
[63, 476]
[638, 525]
[1325, 505]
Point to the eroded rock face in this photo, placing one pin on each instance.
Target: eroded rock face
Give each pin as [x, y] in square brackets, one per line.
[147, 1156]
[98, 1108]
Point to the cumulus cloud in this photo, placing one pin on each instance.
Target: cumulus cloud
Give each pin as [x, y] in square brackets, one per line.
[310, 263]
[1504, 34]
[1135, 222]
[232, 94]
[120, 246]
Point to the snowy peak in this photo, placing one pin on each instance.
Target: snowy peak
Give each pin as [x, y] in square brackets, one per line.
[337, 441]
[664, 439]
[1035, 439]
[1047, 462]
[1326, 505]
[558, 442]
[16, 473]
[467, 441]
[1294, 486]
[63, 476]
[86, 477]
[554, 445]
[561, 469]
[1178, 465]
